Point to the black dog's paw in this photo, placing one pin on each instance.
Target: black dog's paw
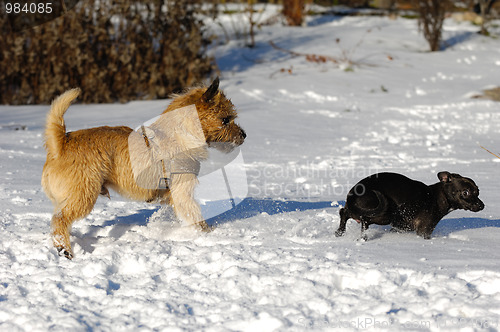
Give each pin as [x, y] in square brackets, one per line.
[339, 233]
[425, 235]
[363, 238]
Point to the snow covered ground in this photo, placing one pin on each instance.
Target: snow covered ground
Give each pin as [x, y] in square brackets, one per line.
[273, 263]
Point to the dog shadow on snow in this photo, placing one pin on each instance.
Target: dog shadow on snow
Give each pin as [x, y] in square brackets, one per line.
[443, 229]
[114, 228]
[248, 208]
[451, 225]
[252, 206]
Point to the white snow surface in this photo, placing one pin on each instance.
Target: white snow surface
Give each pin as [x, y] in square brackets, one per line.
[273, 262]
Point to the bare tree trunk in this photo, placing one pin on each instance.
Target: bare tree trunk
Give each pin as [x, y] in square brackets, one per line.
[294, 11]
[252, 23]
[484, 7]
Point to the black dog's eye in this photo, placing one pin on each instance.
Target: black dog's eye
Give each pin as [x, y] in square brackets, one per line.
[226, 120]
[466, 193]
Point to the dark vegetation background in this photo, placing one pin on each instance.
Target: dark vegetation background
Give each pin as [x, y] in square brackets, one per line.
[122, 51]
[127, 50]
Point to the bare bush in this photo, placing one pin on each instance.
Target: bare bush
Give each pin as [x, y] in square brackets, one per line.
[432, 15]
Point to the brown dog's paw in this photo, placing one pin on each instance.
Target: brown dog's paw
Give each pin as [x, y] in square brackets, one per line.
[204, 227]
[64, 252]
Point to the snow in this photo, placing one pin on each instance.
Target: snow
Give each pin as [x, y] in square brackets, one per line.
[273, 262]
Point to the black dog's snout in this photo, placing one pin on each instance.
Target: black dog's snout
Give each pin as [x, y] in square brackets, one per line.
[476, 206]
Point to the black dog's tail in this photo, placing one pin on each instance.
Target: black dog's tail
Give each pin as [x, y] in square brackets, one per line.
[370, 203]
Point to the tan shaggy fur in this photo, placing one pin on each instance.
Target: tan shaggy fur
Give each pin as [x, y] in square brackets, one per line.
[83, 164]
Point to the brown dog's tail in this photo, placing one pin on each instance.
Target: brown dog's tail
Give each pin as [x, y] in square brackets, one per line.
[55, 129]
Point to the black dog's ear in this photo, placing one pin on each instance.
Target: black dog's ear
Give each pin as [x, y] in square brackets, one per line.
[445, 176]
[211, 91]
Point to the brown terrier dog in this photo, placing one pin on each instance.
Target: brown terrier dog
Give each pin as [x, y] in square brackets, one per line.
[81, 165]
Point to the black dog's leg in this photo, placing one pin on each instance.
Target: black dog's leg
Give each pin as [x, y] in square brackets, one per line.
[344, 216]
[425, 233]
[364, 227]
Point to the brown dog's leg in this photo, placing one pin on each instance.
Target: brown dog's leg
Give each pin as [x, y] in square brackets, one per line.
[424, 230]
[75, 207]
[185, 206]
[60, 235]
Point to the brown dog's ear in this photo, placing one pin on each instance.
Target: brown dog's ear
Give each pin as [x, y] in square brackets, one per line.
[211, 91]
[444, 176]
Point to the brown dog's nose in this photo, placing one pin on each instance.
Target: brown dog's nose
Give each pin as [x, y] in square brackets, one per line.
[243, 134]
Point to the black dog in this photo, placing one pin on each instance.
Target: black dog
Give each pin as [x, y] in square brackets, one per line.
[407, 205]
